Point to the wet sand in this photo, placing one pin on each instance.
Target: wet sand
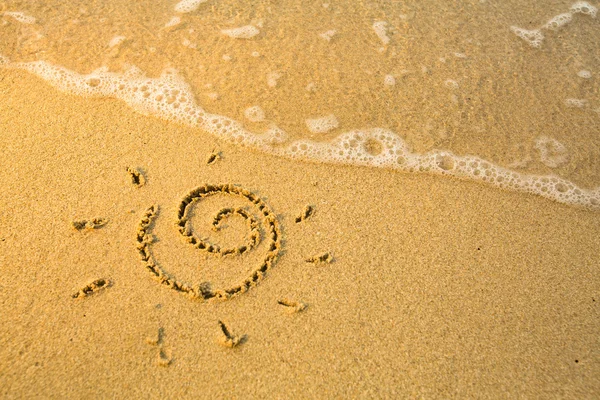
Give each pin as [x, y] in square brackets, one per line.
[437, 287]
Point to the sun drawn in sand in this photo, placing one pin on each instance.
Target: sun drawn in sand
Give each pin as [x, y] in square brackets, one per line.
[256, 216]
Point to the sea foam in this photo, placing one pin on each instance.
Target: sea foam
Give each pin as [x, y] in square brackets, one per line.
[170, 97]
[535, 37]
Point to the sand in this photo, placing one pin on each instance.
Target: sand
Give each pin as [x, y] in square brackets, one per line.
[436, 288]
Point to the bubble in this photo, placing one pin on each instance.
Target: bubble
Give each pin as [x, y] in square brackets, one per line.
[450, 83]
[583, 7]
[558, 21]
[173, 22]
[533, 37]
[584, 74]
[20, 17]
[273, 77]
[552, 153]
[242, 32]
[115, 41]
[254, 114]
[373, 147]
[576, 103]
[328, 35]
[323, 124]
[186, 6]
[389, 80]
[380, 28]
[445, 162]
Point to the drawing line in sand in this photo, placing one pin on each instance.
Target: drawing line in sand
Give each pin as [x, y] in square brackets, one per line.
[89, 224]
[306, 213]
[292, 307]
[203, 290]
[228, 338]
[137, 176]
[91, 288]
[163, 357]
[325, 258]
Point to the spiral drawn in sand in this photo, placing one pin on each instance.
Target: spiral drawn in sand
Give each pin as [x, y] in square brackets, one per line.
[203, 290]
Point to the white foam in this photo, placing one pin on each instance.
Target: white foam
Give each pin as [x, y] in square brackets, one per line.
[450, 83]
[380, 28]
[170, 97]
[383, 148]
[328, 35]
[533, 37]
[576, 103]
[115, 41]
[272, 78]
[20, 17]
[389, 80]
[254, 114]
[552, 153]
[583, 7]
[558, 21]
[173, 22]
[186, 6]
[188, 43]
[584, 74]
[242, 32]
[323, 124]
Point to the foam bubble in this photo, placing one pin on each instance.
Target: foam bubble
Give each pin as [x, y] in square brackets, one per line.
[242, 32]
[558, 21]
[383, 148]
[187, 43]
[576, 103]
[389, 80]
[583, 7]
[534, 37]
[117, 40]
[173, 22]
[186, 6]
[170, 97]
[552, 153]
[167, 96]
[450, 83]
[584, 74]
[323, 124]
[254, 114]
[20, 17]
[328, 35]
[380, 28]
[272, 78]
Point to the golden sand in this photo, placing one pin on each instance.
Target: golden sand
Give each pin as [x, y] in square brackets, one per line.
[431, 287]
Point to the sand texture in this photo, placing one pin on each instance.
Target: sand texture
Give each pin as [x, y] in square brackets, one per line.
[379, 283]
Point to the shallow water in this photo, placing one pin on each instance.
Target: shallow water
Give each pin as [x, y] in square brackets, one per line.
[418, 86]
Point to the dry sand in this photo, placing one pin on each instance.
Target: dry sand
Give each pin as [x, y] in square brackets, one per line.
[438, 288]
